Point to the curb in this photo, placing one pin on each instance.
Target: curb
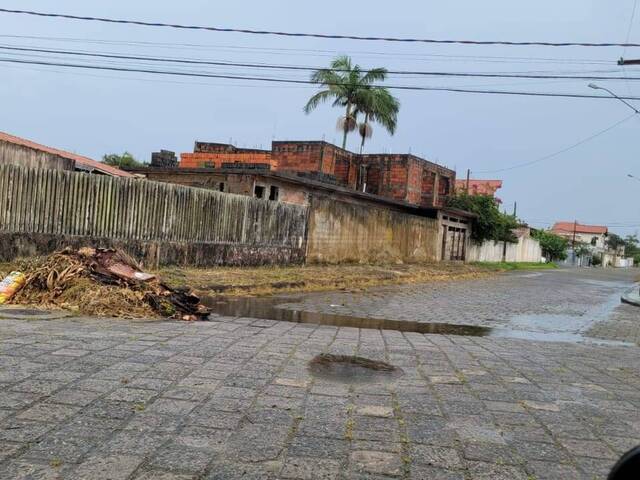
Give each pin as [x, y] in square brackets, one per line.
[15, 312]
[632, 297]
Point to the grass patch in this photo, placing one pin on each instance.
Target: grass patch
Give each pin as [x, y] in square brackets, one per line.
[312, 278]
[501, 266]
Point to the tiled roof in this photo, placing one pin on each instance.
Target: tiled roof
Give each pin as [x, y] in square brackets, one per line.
[82, 162]
[568, 227]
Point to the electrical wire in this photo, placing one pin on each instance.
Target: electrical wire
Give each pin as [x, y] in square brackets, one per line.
[309, 82]
[309, 68]
[313, 35]
[307, 52]
[566, 149]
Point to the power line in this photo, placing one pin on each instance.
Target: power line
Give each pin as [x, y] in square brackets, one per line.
[308, 82]
[313, 35]
[287, 51]
[555, 154]
[310, 68]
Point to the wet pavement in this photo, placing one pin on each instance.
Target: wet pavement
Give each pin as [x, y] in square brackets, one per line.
[558, 305]
[240, 397]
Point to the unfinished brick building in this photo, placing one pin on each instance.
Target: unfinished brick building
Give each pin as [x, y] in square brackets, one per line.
[402, 177]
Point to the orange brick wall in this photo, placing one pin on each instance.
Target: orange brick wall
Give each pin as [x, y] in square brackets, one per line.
[414, 182]
[299, 157]
[201, 160]
[402, 177]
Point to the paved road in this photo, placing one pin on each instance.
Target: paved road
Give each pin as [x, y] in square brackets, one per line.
[234, 398]
[491, 301]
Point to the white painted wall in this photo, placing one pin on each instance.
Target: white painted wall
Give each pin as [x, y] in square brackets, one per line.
[526, 250]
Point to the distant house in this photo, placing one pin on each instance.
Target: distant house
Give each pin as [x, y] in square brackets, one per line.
[309, 172]
[590, 235]
[479, 187]
[19, 151]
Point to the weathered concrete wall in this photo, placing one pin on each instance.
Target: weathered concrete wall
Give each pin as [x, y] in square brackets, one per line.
[525, 250]
[47, 208]
[153, 253]
[241, 184]
[349, 232]
[11, 153]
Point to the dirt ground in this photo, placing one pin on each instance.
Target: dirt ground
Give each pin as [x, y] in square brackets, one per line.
[84, 296]
[271, 280]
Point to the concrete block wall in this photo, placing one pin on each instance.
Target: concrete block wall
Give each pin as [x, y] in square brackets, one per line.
[342, 232]
[527, 249]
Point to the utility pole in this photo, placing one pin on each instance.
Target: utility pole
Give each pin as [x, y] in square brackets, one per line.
[468, 174]
[573, 241]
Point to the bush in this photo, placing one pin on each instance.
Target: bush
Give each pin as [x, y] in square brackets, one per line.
[554, 247]
[491, 224]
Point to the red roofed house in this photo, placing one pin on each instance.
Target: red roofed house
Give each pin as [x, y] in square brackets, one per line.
[19, 151]
[594, 235]
[479, 187]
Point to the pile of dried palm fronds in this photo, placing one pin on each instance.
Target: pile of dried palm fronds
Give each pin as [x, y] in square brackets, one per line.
[102, 282]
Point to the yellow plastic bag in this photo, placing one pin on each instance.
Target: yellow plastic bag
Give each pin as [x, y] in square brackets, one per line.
[10, 285]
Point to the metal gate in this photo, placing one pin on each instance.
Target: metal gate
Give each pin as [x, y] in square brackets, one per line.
[454, 243]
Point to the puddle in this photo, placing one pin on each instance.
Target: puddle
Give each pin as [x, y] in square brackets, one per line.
[556, 337]
[535, 327]
[351, 369]
[267, 309]
[547, 323]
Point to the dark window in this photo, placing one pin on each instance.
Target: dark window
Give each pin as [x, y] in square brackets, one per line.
[258, 191]
[594, 241]
[221, 187]
[274, 192]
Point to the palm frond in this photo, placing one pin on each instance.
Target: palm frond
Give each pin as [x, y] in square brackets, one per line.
[374, 75]
[317, 99]
[347, 85]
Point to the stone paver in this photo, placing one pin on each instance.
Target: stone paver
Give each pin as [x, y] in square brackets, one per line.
[499, 301]
[225, 400]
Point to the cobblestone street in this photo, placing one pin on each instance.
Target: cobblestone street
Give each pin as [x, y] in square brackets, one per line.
[234, 398]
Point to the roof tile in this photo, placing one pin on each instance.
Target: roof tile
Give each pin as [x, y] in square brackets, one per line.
[79, 159]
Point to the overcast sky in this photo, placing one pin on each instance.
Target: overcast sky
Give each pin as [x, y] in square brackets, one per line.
[98, 112]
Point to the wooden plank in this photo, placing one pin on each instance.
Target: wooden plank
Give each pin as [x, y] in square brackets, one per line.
[3, 196]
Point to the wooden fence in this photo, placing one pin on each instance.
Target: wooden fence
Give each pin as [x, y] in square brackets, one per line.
[11, 153]
[58, 202]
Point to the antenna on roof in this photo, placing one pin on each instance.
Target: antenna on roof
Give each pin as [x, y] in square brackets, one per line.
[275, 128]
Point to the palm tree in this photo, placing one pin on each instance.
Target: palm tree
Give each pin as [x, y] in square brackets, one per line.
[377, 105]
[344, 83]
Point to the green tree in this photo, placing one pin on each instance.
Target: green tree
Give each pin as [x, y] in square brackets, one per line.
[490, 224]
[377, 105]
[344, 83]
[121, 161]
[554, 247]
[632, 249]
[614, 241]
